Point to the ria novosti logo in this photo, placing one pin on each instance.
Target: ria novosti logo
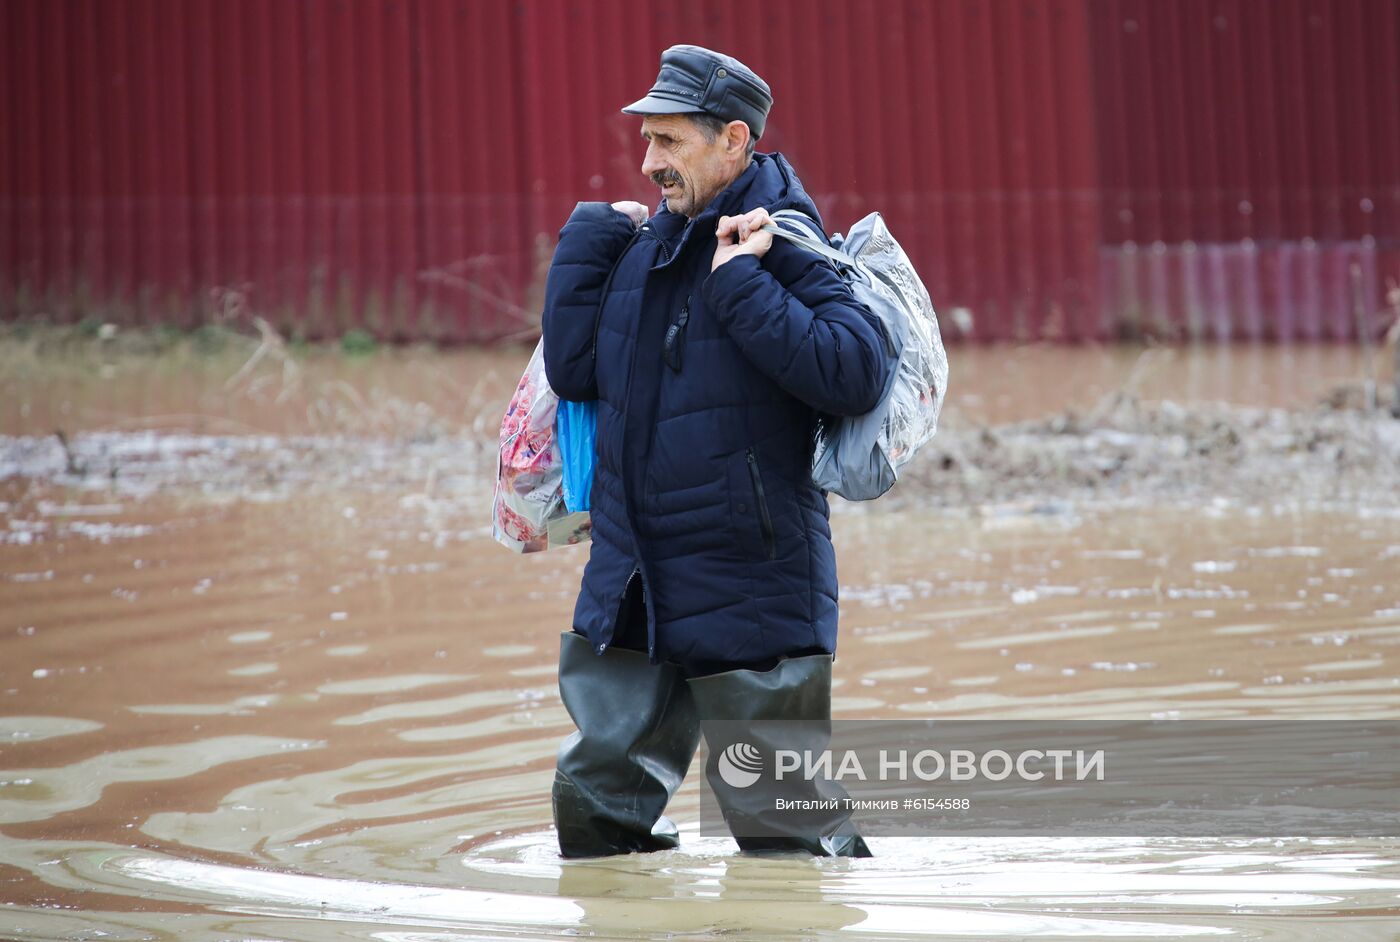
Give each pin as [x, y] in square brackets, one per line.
[740, 765]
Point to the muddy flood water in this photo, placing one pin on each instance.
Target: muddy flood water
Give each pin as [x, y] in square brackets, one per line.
[265, 675]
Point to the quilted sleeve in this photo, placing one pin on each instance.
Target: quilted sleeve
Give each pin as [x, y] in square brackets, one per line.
[592, 240]
[798, 322]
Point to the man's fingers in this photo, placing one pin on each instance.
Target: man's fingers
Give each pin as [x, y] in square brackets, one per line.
[728, 227]
[752, 222]
[745, 230]
[743, 227]
[633, 210]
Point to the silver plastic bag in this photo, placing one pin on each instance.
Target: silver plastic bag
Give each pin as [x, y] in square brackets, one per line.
[859, 457]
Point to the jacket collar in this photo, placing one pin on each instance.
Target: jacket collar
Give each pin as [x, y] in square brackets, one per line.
[768, 181]
[675, 230]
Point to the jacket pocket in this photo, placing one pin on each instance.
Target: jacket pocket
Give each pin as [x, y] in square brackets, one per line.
[760, 500]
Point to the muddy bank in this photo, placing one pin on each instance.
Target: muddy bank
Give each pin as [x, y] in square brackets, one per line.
[1260, 426]
[1128, 450]
[1125, 451]
[251, 467]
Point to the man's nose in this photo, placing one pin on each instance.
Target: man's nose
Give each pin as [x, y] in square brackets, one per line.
[651, 163]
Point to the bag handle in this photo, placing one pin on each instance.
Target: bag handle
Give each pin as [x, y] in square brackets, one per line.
[811, 243]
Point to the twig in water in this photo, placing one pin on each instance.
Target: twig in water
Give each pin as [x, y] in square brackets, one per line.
[1363, 331]
[272, 345]
[1147, 361]
[73, 467]
[1392, 340]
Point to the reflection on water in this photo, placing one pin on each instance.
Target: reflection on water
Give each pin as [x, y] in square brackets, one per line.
[283, 720]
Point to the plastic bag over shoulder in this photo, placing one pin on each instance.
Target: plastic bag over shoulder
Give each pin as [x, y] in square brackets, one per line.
[859, 457]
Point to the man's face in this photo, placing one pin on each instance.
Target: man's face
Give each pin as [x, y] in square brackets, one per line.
[690, 170]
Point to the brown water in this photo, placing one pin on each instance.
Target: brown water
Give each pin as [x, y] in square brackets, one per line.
[330, 713]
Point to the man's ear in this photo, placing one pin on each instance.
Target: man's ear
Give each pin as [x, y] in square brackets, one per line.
[736, 138]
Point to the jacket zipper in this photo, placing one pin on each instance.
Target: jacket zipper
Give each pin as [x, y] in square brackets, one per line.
[765, 522]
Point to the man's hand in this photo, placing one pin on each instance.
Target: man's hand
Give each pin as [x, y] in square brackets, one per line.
[633, 210]
[742, 235]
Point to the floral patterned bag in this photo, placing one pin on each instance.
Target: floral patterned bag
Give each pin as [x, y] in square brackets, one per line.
[528, 512]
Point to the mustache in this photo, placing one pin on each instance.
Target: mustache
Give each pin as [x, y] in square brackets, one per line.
[666, 178]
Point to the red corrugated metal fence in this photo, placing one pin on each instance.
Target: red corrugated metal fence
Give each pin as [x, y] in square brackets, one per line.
[1061, 169]
[1249, 158]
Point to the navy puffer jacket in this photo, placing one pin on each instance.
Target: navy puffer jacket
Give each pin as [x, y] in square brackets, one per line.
[703, 487]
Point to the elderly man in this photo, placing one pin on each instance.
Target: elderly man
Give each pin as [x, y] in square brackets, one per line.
[713, 353]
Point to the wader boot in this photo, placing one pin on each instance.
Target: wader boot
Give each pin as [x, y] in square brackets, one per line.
[762, 709]
[637, 732]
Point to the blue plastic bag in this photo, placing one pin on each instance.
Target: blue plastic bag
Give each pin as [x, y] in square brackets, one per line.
[576, 427]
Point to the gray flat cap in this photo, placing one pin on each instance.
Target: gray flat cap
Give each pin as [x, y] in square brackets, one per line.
[694, 79]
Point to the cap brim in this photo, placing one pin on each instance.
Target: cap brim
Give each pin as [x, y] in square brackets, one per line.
[655, 104]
